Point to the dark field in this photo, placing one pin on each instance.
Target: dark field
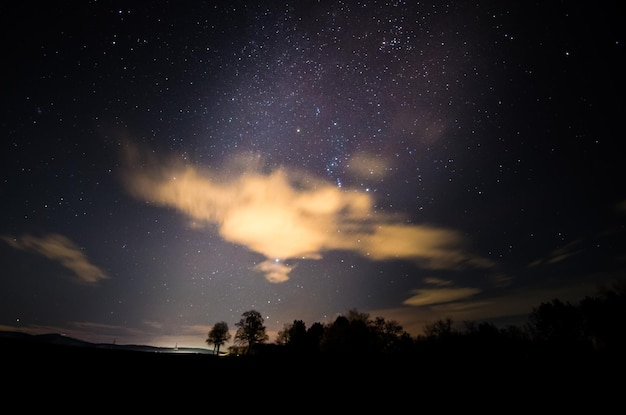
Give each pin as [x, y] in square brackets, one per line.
[44, 373]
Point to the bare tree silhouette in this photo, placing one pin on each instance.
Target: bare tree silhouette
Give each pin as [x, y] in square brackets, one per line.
[251, 330]
[218, 335]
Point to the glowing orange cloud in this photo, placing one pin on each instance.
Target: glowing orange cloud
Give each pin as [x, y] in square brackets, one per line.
[283, 214]
[274, 271]
[61, 249]
[440, 295]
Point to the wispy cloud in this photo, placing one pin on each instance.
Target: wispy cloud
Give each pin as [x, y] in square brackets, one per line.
[442, 293]
[559, 254]
[368, 166]
[62, 250]
[423, 297]
[437, 282]
[285, 214]
[274, 270]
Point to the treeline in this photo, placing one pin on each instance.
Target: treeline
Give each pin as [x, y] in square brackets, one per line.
[596, 326]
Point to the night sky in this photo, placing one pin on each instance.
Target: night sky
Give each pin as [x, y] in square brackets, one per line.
[169, 165]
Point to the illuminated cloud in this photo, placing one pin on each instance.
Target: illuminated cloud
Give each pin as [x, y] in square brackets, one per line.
[62, 250]
[437, 281]
[433, 296]
[443, 293]
[432, 247]
[367, 166]
[274, 271]
[559, 254]
[285, 214]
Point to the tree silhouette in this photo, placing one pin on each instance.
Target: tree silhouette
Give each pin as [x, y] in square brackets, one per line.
[337, 338]
[439, 330]
[314, 337]
[251, 330]
[388, 334]
[558, 338]
[557, 323]
[604, 316]
[293, 336]
[218, 335]
[357, 334]
[282, 337]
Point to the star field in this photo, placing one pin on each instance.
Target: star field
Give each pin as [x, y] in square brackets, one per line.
[167, 167]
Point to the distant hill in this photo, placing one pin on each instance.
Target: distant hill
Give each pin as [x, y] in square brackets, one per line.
[17, 339]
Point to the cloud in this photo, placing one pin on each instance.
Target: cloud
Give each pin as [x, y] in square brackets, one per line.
[443, 293]
[274, 271]
[368, 166]
[424, 297]
[559, 254]
[437, 281]
[284, 213]
[62, 250]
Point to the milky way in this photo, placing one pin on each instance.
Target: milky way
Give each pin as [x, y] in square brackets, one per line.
[166, 167]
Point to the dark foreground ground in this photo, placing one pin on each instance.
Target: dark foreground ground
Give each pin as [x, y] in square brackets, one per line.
[88, 379]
